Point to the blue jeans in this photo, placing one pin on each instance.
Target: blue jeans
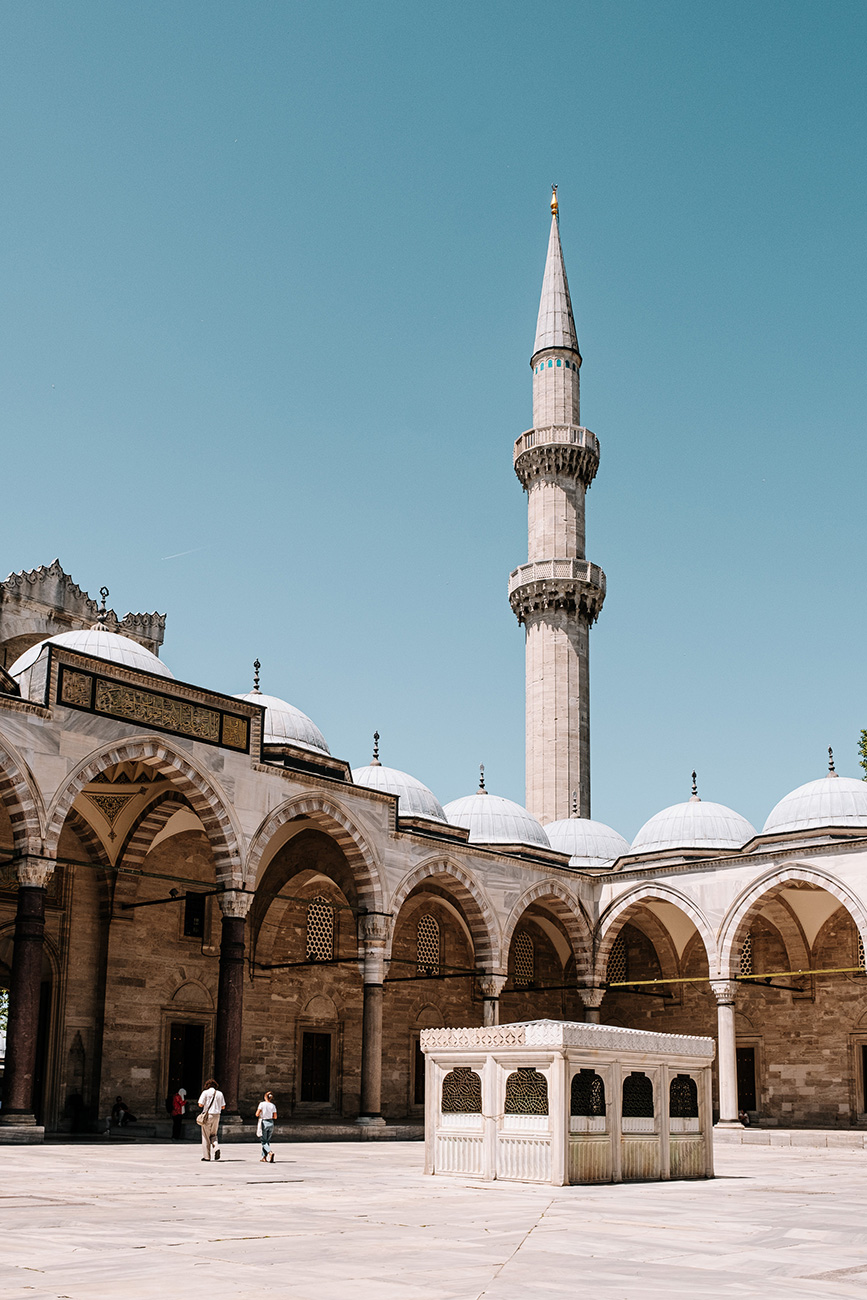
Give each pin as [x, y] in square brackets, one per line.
[267, 1134]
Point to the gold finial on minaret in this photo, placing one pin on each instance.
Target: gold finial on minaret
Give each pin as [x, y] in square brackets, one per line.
[554, 208]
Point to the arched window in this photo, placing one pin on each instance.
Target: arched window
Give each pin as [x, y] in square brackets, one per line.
[462, 1092]
[745, 966]
[637, 1096]
[588, 1093]
[320, 930]
[683, 1097]
[428, 945]
[525, 960]
[526, 1093]
[618, 969]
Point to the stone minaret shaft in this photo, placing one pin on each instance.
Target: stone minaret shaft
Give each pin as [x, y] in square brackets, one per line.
[558, 593]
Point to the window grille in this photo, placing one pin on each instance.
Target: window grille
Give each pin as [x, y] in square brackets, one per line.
[462, 1092]
[860, 951]
[618, 967]
[637, 1096]
[588, 1093]
[194, 916]
[683, 1097]
[526, 1093]
[320, 930]
[428, 945]
[746, 962]
[525, 961]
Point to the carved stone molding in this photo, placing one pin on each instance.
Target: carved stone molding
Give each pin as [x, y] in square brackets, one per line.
[235, 902]
[533, 592]
[557, 459]
[373, 928]
[568, 1033]
[491, 986]
[34, 872]
[725, 991]
[591, 997]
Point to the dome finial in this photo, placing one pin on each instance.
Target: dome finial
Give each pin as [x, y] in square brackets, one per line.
[694, 797]
[256, 667]
[832, 771]
[574, 812]
[481, 789]
[374, 762]
[102, 613]
[554, 205]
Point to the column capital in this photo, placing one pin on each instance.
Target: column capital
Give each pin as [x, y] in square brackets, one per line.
[592, 996]
[235, 903]
[34, 872]
[725, 991]
[373, 928]
[491, 986]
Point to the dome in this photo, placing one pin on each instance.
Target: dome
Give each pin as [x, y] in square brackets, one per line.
[588, 843]
[694, 825]
[416, 800]
[491, 819]
[286, 725]
[99, 643]
[831, 801]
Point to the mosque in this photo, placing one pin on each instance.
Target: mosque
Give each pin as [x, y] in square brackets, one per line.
[191, 882]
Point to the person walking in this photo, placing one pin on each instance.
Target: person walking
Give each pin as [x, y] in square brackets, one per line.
[213, 1103]
[266, 1115]
[179, 1106]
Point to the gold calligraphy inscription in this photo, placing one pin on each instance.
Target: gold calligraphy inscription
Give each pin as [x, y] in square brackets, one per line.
[234, 731]
[75, 688]
[121, 701]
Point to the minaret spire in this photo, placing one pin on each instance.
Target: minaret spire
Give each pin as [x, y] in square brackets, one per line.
[558, 594]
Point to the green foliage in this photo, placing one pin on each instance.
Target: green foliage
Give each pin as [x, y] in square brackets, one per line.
[862, 750]
[4, 1006]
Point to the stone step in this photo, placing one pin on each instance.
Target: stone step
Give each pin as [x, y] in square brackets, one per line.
[854, 1138]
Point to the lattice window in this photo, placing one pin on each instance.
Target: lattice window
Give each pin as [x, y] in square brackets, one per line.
[860, 951]
[745, 966]
[525, 962]
[588, 1093]
[428, 945]
[637, 1096]
[462, 1092]
[526, 1093]
[618, 966]
[683, 1097]
[320, 930]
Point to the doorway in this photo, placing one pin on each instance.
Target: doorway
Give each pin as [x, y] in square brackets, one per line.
[315, 1067]
[186, 1058]
[746, 1059]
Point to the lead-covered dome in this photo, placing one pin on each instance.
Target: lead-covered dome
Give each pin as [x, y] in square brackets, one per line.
[416, 800]
[694, 825]
[831, 801]
[490, 819]
[286, 725]
[588, 843]
[95, 641]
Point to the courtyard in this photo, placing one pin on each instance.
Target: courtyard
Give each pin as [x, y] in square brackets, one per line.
[335, 1221]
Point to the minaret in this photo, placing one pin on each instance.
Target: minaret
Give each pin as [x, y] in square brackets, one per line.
[559, 593]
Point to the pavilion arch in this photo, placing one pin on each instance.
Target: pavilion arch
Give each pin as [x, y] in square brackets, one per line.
[762, 891]
[20, 796]
[568, 911]
[468, 894]
[613, 920]
[206, 800]
[318, 812]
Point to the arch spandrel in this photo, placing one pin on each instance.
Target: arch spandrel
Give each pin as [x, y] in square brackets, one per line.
[568, 911]
[469, 894]
[763, 891]
[21, 797]
[614, 918]
[202, 793]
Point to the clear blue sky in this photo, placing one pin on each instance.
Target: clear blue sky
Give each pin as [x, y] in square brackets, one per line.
[271, 273]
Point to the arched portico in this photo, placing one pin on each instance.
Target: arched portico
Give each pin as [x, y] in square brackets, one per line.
[615, 915]
[20, 797]
[471, 898]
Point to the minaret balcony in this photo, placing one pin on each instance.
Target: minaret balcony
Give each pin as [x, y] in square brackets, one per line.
[559, 450]
[575, 586]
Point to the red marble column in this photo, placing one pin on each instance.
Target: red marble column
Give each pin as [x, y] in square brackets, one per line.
[23, 1027]
[230, 1009]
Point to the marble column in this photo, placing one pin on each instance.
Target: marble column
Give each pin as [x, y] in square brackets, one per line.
[234, 905]
[23, 1027]
[491, 986]
[592, 999]
[725, 991]
[372, 937]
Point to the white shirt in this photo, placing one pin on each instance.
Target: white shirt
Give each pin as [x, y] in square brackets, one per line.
[267, 1110]
[212, 1100]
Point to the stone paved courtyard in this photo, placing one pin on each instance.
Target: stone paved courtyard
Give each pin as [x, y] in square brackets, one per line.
[345, 1221]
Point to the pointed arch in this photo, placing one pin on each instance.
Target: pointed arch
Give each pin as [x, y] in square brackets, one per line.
[473, 901]
[147, 826]
[20, 796]
[614, 918]
[88, 837]
[568, 911]
[763, 890]
[204, 796]
[326, 815]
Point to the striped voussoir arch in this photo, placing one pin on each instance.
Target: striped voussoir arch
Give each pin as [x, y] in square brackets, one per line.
[557, 898]
[477, 910]
[147, 826]
[327, 816]
[200, 794]
[18, 795]
[88, 837]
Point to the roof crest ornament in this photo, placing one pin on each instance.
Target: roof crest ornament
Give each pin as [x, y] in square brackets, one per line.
[374, 762]
[832, 771]
[694, 797]
[574, 812]
[555, 209]
[481, 789]
[256, 667]
[102, 612]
